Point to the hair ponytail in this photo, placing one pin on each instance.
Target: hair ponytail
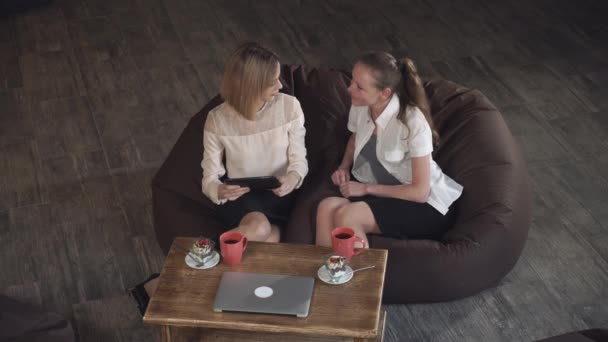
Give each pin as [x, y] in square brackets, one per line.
[402, 78]
[412, 89]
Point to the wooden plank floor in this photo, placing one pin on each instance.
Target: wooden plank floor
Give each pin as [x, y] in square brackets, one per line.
[94, 93]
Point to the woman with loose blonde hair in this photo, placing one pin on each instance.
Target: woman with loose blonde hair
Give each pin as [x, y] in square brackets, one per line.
[398, 190]
[258, 132]
[247, 73]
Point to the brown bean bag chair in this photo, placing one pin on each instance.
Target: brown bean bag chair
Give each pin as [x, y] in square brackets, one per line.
[476, 149]
[181, 209]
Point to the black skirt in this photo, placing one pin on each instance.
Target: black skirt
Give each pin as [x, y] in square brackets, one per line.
[403, 219]
[275, 208]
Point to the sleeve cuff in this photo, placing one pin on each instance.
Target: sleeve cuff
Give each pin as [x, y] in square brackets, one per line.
[211, 192]
[421, 152]
[301, 173]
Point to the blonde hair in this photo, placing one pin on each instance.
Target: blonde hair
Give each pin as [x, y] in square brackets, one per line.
[401, 76]
[247, 73]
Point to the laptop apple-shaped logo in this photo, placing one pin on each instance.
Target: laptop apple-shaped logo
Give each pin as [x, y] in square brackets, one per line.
[263, 292]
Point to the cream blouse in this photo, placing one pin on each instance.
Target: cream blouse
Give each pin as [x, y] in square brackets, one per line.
[270, 145]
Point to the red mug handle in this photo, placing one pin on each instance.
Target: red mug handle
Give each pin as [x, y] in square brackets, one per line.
[358, 251]
[244, 243]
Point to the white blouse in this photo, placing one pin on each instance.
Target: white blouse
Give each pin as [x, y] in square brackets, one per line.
[396, 147]
[270, 145]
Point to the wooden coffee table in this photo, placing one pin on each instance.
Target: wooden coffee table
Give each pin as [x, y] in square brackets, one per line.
[182, 304]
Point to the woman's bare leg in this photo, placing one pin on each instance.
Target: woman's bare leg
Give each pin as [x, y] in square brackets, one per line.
[359, 217]
[255, 226]
[275, 234]
[151, 286]
[326, 219]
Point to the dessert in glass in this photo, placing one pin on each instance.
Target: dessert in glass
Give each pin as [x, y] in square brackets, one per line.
[202, 250]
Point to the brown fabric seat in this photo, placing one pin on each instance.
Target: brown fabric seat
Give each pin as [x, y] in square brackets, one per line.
[476, 149]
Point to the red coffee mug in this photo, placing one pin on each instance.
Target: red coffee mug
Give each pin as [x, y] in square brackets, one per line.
[232, 246]
[343, 242]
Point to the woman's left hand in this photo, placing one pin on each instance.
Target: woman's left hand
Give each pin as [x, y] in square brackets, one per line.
[288, 183]
[353, 189]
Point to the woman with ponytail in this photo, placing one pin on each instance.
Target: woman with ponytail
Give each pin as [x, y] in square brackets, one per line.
[397, 189]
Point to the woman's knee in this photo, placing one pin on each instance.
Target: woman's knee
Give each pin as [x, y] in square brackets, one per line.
[330, 204]
[350, 214]
[341, 214]
[275, 234]
[256, 226]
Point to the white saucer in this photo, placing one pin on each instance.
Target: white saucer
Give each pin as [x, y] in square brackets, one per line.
[324, 276]
[215, 259]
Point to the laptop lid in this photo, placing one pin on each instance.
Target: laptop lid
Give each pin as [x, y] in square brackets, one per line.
[264, 293]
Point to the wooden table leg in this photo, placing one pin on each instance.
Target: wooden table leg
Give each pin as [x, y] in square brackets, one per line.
[380, 336]
[165, 333]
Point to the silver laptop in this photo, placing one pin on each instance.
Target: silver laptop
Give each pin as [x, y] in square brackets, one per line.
[264, 293]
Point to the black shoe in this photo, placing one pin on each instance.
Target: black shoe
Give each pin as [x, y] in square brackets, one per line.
[138, 292]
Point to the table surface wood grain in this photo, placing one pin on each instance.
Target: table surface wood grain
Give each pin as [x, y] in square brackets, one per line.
[185, 296]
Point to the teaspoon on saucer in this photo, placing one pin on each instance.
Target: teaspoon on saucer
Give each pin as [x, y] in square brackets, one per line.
[196, 260]
[349, 273]
[361, 269]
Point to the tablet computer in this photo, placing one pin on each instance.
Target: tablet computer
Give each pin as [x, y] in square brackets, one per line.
[255, 183]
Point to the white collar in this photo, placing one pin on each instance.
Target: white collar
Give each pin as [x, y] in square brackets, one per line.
[389, 112]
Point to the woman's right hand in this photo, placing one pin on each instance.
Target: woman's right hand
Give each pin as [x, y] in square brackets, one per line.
[340, 176]
[231, 192]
